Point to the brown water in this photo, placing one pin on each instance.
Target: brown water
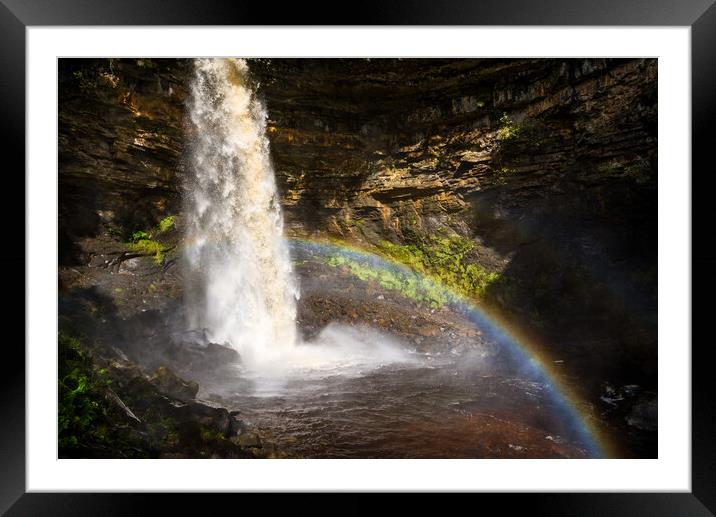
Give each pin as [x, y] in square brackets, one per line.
[430, 406]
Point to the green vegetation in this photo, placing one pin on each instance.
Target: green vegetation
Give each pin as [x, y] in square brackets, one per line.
[85, 80]
[513, 139]
[210, 435]
[438, 262]
[409, 284]
[94, 74]
[445, 258]
[88, 424]
[149, 247]
[166, 224]
[93, 420]
[145, 243]
[638, 170]
[508, 130]
[529, 132]
[83, 412]
[140, 236]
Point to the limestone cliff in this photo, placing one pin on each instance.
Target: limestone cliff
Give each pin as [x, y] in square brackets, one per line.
[547, 165]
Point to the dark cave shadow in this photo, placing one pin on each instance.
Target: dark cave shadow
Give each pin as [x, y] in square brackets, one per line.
[150, 338]
[598, 305]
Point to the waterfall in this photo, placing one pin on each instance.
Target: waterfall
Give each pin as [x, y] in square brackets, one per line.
[240, 284]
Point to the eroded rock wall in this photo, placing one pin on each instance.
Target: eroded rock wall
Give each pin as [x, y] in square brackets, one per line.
[120, 125]
[547, 165]
[550, 166]
[399, 143]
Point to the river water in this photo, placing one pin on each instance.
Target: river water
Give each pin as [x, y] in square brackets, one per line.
[423, 406]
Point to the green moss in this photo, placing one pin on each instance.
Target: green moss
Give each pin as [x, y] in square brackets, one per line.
[508, 129]
[94, 75]
[139, 236]
[407, 283]
[210, 435]
[149, 247]
[446, 259]
[85, 80]
[165, 224]
[145, 243]
[433, 264]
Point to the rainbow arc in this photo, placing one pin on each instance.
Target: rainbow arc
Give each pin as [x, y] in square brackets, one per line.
[531, 358]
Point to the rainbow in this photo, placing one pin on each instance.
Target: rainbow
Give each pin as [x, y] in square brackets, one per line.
[523, 349]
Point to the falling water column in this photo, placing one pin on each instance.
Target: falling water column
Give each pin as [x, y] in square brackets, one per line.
[241, 287]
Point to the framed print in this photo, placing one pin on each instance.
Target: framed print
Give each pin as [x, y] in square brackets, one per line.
[437, 250]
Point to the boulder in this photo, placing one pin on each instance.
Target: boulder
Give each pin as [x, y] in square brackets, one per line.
[216, 419]
[167, 383]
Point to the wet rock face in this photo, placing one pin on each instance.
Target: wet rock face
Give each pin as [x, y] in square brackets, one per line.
[405, 146]
[120, 145]
[549, 165]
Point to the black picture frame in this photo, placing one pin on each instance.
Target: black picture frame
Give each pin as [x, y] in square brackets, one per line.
[700, 15]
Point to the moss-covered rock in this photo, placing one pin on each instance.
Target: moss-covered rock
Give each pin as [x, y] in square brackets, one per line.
[172, 386]
[108, 408]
